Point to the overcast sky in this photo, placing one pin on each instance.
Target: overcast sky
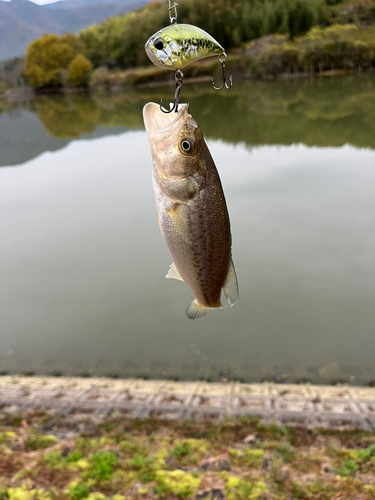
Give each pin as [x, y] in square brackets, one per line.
[39, 2]
[42, 2]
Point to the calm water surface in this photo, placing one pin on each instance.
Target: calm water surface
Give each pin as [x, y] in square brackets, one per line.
[83, 263]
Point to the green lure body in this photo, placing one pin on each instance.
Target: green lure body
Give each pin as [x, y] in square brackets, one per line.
[178, 45]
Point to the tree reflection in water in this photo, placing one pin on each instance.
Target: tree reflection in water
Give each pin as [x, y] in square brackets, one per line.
[323, 112]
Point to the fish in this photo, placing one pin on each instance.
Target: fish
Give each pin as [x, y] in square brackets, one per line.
[192, 211]
[178, 45]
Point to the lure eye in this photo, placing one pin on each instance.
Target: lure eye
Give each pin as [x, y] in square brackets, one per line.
[187, 145]
[159, 44]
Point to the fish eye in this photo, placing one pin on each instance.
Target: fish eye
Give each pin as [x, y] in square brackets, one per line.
[159, 44]
[187, 145]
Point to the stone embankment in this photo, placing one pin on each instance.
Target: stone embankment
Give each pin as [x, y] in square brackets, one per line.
[97, 398]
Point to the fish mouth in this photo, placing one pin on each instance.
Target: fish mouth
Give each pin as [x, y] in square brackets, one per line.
[163, 124]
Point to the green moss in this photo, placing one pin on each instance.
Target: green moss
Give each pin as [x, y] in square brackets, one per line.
[369, 489]
[148, 477]
[189, 451]
[38, 442]
[349, 469]
[138, 444]
[138, 461]
[160, 457]
[247, 457]
[320, 490]
[100, 496]
[74, 456]
[54, 459]
[272, 431]
[181, 449]
[24, 494]
[298, 490]
[87, 445]
[314, 490]
[286, 451]
[121, 480]
[366, 454]
[81, 464]
[176, 483]
[16, 420]
[79, 491]
[3, 492]
[74, 460]
[102, 465]
[5, 436]
[241, 489]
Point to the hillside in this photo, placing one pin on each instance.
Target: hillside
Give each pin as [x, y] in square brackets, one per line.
[22, 21]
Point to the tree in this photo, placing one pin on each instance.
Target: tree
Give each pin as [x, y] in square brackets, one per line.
[47, 56]
[303, 15]
[79, 70]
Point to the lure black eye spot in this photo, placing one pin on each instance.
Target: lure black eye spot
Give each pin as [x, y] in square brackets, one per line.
[187, 145]
[159, 44]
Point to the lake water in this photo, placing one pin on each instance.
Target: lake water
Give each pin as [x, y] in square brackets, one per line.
[83, 263]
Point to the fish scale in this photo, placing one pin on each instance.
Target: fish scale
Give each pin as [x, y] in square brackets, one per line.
[192, 210]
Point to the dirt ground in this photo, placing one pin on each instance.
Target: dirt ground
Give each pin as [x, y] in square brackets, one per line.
[151, 458]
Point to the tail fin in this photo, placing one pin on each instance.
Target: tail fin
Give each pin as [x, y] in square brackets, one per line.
[195, 310]
[230, 287]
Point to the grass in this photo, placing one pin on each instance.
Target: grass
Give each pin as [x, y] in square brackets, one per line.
[38, 442]
[138, 461]
[181, 449]
[153, 459]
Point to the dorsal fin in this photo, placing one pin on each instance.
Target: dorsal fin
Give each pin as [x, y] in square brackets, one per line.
[230, 287]
[173, 273]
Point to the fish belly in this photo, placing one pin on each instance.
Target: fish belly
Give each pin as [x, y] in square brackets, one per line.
[198, 237]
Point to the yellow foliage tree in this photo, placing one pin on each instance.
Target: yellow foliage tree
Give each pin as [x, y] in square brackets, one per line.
[79, 70]
[47, 56]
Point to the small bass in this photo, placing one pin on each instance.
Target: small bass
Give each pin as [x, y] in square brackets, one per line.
[192, 211]
[178, 45]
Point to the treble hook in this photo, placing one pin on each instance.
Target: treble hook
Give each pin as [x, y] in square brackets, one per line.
[179, 77]
[222, 59]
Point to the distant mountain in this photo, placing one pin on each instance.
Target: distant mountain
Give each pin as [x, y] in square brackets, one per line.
[74, 4]
[22, 21]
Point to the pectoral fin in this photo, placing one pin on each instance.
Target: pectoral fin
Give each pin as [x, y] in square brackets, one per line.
[173, 273]
[230, 287]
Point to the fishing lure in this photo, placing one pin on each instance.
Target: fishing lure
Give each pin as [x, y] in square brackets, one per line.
[179, 45]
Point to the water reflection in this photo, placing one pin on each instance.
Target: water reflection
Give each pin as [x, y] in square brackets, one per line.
[321, 113]
[82, 261]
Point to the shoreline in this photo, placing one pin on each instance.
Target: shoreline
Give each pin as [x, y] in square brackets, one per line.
[286, 404]
[11, 94]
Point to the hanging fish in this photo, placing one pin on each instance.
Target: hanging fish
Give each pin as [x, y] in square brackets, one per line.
[178, 45]
[191, 207]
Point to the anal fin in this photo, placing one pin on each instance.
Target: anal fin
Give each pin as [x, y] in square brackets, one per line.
[173, 273]
[230, 287]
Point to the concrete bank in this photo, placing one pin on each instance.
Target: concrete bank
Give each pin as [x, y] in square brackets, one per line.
[97, 398]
